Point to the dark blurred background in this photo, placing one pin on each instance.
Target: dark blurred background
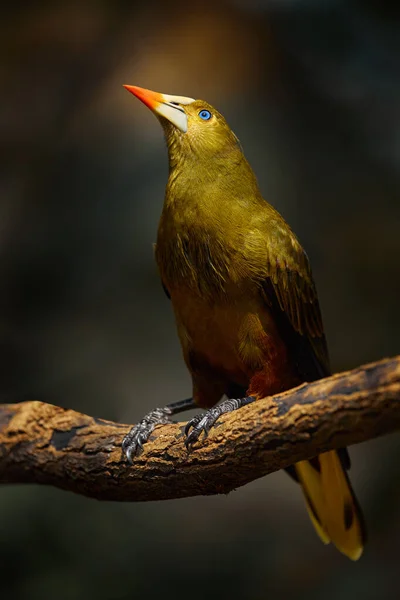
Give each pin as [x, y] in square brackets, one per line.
[312, 89]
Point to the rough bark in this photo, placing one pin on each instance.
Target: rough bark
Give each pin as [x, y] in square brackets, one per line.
[42, 443]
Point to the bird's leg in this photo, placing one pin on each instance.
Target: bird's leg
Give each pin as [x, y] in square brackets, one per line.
[206, 420]
[133, 442]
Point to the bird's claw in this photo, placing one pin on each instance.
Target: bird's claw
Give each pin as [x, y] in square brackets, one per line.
[201, 423]
[132, 444]
[204, 422]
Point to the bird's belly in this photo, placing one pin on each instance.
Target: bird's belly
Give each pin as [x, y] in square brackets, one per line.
[237, 341]
[211, 336]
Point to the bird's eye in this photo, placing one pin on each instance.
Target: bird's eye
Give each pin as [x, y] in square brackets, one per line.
[205, 115]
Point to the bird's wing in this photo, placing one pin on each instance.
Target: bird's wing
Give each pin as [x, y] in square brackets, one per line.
[290, 292]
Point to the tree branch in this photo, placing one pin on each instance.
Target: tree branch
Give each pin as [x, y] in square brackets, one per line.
[42, 443]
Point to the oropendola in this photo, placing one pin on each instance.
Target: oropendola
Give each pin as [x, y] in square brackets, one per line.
[245, 302]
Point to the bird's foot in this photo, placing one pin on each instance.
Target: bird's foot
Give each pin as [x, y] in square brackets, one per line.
[132, 444]
[204, 422]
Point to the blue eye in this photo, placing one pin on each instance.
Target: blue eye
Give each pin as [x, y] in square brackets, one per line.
[205, 115]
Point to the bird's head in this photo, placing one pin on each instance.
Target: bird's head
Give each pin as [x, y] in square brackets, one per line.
[192, 127]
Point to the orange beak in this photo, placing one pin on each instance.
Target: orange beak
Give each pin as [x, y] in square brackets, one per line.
[164, 105]
[149, 98]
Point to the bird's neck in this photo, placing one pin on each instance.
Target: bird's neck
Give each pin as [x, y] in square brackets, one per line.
[204, 202]
[208, 184]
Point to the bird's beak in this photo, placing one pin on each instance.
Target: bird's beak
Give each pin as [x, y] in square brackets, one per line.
[164, 105]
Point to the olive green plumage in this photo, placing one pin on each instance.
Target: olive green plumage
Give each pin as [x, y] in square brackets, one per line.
[216, 229]
[242, 291]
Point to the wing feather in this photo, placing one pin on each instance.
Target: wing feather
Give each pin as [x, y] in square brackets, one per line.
[290, 292]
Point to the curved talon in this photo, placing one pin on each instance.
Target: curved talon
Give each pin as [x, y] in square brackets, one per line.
[132, 444]
[193, 437]
[189, 442]
[205, 421]
[193, 423]
[188, 425]
[201, 424]
[128, 454]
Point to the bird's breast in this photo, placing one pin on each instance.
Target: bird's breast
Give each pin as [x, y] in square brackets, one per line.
[212, 266]
[193, 254]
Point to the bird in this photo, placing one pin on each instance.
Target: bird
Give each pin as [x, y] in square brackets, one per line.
[244, 299]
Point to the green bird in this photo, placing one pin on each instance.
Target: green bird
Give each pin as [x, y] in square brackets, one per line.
[244, 299]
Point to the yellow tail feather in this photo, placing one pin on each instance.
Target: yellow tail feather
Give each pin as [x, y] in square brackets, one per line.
[331, 503]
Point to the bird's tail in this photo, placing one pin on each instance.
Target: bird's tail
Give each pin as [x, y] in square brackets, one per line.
[331, 503]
